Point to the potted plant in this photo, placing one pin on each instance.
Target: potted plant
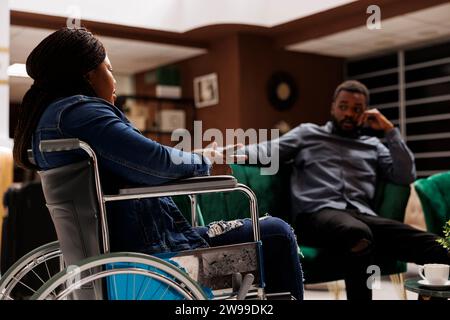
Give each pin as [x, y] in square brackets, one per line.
[445, 241]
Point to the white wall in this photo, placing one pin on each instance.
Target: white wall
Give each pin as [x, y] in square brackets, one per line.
[4, 63]
[125, 84]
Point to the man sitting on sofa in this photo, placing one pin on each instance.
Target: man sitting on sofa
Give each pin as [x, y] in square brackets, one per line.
[333, 182]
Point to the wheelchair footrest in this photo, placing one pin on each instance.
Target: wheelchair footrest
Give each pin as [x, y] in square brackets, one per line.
[214, 267]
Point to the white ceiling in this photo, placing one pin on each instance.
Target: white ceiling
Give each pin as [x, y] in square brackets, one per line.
[127, 56]
[179, 15]
[131, 56]
[401, 31]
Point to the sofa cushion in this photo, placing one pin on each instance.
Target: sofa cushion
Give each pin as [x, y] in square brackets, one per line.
[434, 196]
[392, 203]
[271, 191]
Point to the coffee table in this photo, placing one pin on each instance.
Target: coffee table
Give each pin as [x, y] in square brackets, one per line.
[427, 293]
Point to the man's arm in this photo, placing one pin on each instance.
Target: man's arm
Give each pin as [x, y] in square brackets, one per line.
[396, 161]
[285, 146]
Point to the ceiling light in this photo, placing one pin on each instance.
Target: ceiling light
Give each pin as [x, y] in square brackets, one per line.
[18, 70]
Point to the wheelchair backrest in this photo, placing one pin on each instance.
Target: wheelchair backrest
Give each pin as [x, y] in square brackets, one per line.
[70, 196]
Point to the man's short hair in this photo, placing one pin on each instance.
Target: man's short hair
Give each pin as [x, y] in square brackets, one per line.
[352, 86]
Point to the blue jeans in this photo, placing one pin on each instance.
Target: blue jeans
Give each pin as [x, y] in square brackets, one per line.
[282, 269]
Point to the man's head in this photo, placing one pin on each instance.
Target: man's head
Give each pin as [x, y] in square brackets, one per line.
[350, 100]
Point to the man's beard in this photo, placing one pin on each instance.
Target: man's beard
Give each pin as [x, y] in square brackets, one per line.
[337, 128]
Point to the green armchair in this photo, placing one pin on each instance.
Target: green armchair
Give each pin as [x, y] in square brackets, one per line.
[434, 195]
[273, 196]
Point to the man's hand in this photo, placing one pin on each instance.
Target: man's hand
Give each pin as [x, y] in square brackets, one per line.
[220, 157]
[375, 120]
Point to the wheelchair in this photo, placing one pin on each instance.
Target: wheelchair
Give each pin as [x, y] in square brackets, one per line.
[80, 265]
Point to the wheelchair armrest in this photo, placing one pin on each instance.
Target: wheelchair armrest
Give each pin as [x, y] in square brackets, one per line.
[191, 184]
[59, 145]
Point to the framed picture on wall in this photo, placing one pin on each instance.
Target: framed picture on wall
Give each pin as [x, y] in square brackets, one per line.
[206, 90]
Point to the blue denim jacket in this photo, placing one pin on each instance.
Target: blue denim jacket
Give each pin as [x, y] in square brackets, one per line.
[126, 158]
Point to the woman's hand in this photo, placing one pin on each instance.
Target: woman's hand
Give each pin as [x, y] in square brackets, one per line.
[221, 157]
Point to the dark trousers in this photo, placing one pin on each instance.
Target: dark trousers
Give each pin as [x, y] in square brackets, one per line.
[341, 230]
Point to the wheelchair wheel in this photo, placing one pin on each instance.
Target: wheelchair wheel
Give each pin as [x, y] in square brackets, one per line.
[31, 271]
[123, 276]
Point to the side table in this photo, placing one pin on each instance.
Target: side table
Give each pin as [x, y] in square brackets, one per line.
[427, 293]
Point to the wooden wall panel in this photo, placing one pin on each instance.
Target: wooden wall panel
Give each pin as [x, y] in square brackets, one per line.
[316, 78]
[244, 64]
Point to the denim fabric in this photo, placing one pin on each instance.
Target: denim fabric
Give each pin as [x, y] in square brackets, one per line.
[282, 268]
[126, 158]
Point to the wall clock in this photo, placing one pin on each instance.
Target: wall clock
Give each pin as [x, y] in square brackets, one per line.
[282, 90]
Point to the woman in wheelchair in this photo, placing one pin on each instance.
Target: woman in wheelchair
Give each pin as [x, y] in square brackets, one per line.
[73, 96]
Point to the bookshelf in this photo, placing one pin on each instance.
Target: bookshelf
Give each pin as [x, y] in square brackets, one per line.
[157, 117]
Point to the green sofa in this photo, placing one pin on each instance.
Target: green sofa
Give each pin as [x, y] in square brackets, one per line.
[273, 197]
[434, 195]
